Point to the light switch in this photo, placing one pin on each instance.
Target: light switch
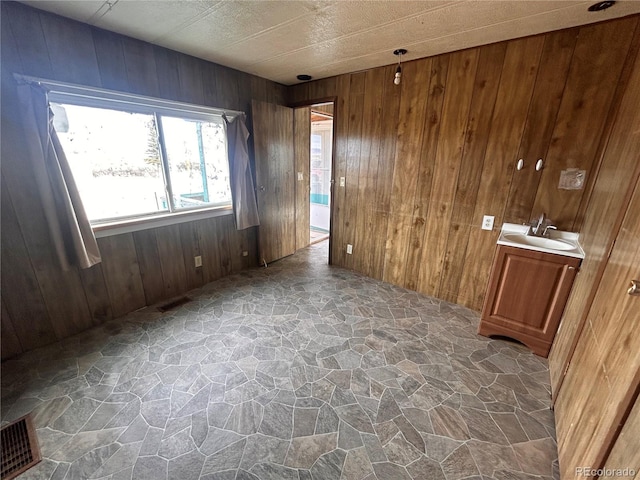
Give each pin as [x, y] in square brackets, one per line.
[342, 181]
[300, 176]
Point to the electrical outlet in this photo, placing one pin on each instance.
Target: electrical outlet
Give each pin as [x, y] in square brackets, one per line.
[487, 222]
[245, 254]
[198, 261]
[349, 249]
[342, 181]
[300, 176]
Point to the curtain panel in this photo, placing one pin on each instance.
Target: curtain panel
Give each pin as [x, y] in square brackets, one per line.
[245, 207]
[68, 224]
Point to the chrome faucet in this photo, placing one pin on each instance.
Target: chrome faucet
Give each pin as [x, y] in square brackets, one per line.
[541, 226]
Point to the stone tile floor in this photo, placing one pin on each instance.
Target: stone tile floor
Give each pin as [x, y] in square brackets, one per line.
[300, 371]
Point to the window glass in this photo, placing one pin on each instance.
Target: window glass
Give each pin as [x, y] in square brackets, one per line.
[113, 157]
[117, 160]
[197, 157]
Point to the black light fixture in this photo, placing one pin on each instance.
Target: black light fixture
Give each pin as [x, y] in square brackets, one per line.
[304, 77]
[597, 7]
[398, 53]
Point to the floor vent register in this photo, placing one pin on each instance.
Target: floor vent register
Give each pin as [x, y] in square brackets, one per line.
[19, 447]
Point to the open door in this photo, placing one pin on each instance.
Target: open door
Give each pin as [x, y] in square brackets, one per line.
[273, 140]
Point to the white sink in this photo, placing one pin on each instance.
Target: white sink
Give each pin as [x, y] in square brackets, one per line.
[560, 243]
[551, 243]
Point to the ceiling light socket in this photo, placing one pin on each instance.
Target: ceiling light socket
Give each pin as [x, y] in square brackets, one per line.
[597, 7]
[400, 51]
[304, 77]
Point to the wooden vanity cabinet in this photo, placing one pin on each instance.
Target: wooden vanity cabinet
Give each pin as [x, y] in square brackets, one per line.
[527, 294]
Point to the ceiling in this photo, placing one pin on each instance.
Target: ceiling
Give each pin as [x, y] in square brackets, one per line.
[280, 39]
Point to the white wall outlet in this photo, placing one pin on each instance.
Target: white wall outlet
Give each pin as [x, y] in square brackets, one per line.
[342, 181]
[487, 222]
[198, 261]
[245, 253]
[300, 176]
[349, 249]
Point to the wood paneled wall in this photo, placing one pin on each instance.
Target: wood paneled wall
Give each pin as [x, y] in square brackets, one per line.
[595, 361]
[40, 303]
[425, 160]
[618, 171]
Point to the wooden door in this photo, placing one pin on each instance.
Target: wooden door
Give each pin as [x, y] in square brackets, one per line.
[273, 140]
[603, 378]
[302, 149]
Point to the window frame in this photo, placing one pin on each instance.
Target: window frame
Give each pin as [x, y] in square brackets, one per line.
[73, 94]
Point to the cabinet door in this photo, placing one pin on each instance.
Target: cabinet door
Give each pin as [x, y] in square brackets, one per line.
[527, 294]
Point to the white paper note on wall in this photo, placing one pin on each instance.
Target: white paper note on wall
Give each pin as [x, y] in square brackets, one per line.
[572, 179]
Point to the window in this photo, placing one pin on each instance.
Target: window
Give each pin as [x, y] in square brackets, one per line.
[321, 144]
[134, 157]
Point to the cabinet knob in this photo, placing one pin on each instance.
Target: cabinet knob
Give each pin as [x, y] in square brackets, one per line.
[634, 289]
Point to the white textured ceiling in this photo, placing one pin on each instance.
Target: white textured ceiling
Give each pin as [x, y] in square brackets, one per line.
[280, 39]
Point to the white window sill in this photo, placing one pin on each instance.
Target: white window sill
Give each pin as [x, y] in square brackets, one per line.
[133, 225]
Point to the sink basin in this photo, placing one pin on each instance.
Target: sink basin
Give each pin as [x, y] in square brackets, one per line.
[551, 243]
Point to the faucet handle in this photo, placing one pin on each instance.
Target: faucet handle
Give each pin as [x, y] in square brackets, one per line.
[547, 228]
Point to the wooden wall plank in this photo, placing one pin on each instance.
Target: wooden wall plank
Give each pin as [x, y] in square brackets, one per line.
[324, 88]
[174, 276]
[228, 89]
[149, 262]
[413, 102]
[209, 85]
[594, 73]
[617, 174]
[142, 75]
[550, 85]
[190, 75]
[354, 145]
[95, 290]
[369, 152]
[10, 342]
[27, 30]
[384, 173]
[301, 152]
[485, 92]
[338, 193]
[416, 250]
[626, 450]
[460, 82]
[224, 249]
[110, 58]
[122, 273]
[210, 245]
[238, 244]
[166, 62]
[190, 240]
[71, 50]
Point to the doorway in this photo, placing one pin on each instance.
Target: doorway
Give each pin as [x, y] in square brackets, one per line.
[320, 174]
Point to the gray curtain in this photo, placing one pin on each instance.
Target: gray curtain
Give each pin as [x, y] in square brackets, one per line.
[68, 224]
[245, 207]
